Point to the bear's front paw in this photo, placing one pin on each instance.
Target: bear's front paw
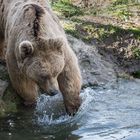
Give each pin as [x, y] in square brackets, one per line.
[72, 108]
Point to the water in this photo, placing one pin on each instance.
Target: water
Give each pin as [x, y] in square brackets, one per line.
[111, 113]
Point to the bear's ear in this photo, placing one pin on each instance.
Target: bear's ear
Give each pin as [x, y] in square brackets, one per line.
[25, 49]
[56, 44]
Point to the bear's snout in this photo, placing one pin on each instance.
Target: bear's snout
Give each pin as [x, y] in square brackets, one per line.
[50, 93]
[53, 92]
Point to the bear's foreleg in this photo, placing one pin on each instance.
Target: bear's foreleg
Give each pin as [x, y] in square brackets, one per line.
[70, 85]
[25, 87]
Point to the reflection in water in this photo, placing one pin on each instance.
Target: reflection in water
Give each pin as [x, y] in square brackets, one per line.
[105, 114]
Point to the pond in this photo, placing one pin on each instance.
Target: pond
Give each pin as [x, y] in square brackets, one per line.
[106, 113]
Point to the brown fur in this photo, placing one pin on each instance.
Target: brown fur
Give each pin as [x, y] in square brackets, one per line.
[38, 54]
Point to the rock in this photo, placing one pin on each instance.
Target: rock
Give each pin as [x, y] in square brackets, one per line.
[95, 70]
[3, 86]
[4, 78]
[8, 98]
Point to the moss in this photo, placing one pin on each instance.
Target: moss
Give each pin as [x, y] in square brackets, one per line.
[2, 108]
[124, 75]
[9, 102]
[136, 74]
[136, 52]
[3, 73]
[7, 107]
[10, 95]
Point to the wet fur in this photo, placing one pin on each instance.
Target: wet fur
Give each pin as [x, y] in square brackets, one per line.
[32, 20]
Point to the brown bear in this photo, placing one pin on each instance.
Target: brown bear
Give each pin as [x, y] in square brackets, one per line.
[37, 52]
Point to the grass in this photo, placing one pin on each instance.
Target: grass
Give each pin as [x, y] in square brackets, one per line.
[123, 9]
[66, 9]
[136, 52]
[88, 31]
[124, 2]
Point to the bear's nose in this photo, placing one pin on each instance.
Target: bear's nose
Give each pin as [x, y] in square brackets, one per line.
[53, 92]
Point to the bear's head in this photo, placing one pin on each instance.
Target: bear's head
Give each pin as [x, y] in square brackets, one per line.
[41, 60]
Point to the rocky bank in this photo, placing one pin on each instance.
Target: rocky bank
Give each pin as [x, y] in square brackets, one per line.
[96, 71]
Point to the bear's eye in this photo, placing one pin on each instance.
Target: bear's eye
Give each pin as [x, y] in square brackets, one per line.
[43, 78]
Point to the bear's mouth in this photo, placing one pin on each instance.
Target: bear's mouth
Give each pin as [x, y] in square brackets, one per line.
[50, 92]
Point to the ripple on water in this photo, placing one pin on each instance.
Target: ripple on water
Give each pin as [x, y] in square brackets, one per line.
[111, 113]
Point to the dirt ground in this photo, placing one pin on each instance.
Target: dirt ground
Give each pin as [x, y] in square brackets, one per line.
[112, 25]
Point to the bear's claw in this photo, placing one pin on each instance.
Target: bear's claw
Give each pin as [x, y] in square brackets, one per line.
[72, 109]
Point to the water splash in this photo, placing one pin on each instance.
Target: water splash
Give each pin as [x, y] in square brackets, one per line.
[51, 110]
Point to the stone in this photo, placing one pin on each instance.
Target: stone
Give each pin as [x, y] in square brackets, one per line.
[3, 86]
[95, 70]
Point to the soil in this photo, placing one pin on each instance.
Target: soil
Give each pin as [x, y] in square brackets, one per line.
[121, 48]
